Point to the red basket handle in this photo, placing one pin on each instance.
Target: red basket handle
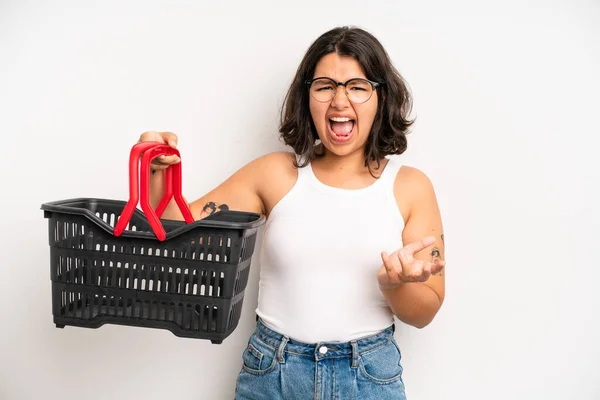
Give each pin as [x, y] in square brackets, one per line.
[152, 150]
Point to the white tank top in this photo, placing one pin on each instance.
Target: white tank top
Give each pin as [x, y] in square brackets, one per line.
[320, 256]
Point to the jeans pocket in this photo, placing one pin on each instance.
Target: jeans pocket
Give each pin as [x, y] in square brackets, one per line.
[258, 358]
[381, 365]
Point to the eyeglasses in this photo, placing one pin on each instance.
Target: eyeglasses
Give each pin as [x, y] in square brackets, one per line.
[358, 90]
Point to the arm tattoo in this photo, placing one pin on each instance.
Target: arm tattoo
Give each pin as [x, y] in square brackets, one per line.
[211, 207]
[436, 256]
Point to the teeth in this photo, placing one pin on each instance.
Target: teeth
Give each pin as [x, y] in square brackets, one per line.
[340, 119]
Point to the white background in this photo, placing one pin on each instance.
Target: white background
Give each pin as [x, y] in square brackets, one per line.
[506, 96]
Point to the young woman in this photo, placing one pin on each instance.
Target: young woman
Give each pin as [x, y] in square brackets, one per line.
[352, 238]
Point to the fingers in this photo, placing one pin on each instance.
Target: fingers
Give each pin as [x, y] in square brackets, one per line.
[430, 268]
[151, 136]
[161, 137]
[419, 245]
[170, 138]
[404, 259]
[163, 162]
[437, 267]
[388, 261]
[417, 270]
[401, 267]
[393, 271]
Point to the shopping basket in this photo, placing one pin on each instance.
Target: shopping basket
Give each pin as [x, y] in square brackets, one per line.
[112, 263]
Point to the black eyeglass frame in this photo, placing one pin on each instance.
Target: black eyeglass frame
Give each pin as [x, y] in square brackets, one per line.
[374, 85]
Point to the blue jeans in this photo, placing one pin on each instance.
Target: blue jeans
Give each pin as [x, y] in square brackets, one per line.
[277, 367]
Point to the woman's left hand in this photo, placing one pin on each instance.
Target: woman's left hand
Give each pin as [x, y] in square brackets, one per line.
[401, 267]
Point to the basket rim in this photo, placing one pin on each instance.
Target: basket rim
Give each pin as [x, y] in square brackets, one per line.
[65, 207]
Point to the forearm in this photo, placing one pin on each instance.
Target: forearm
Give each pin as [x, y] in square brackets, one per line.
[415, 304]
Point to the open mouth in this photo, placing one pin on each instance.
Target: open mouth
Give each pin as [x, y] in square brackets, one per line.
[341, 129]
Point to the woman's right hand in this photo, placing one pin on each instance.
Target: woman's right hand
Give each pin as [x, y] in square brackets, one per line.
[169, 138]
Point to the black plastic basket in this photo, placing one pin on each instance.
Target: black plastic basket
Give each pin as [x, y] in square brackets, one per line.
[191, 282]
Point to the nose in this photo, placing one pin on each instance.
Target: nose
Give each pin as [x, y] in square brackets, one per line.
[340, 100]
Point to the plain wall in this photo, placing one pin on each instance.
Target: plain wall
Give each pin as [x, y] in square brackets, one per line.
[506, 100]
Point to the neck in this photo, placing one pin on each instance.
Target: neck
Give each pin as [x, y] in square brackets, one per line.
[354, 162]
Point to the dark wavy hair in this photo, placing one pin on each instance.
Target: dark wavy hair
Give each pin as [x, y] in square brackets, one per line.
[391, 124]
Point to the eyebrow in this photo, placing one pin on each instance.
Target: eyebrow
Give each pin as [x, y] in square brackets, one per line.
[335, 80]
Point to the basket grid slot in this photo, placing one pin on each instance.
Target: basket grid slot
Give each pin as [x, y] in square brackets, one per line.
[111, 219]
[248, 247]
[235, 314]
[241, 280]
[209, 247]
[187, 315]
[146, 277]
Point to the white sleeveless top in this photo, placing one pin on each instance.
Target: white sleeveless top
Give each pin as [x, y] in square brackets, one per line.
[320, 256]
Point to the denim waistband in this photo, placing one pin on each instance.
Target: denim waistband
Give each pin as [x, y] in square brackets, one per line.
[332, 349]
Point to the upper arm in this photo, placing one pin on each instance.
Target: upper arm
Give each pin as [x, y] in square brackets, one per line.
[240, 192]
[423, 219]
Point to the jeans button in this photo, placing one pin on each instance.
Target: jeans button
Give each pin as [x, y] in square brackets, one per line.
[323, 349]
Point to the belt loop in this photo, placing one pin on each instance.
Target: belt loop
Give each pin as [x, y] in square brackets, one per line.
[354, 354]
[281, 348]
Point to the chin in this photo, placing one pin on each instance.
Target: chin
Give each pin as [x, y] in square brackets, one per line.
[342, 151]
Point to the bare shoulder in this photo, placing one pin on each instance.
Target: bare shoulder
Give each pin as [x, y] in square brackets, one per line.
[412, 178]
[251, 188]
[412, 186]
[276, 159]
[277, 177]
[275, 165]
[265, 167]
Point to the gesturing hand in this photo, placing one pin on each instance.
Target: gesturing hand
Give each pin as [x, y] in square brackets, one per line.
[401, 267]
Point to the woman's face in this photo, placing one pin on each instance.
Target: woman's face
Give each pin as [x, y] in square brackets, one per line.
[342, 126]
